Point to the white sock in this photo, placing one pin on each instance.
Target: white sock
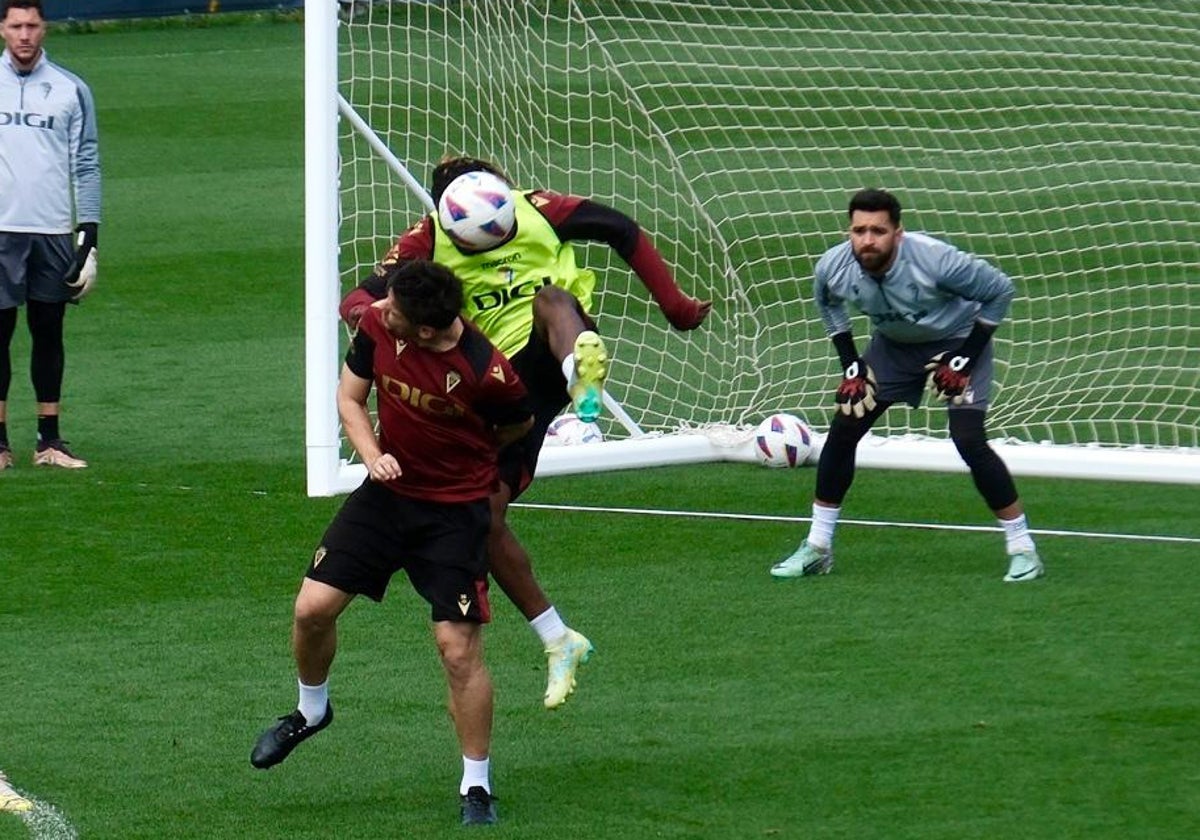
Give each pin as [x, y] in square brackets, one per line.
[549, 626]
[824, 520]
[1016, 535]
[475, 774]
[314, 700]
[568, 369]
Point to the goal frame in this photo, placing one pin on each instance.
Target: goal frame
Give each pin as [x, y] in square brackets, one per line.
[328, 473]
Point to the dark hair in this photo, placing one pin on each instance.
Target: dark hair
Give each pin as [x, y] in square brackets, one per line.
[873, 200]
[428, 293]
[22, 4]
[450, 167]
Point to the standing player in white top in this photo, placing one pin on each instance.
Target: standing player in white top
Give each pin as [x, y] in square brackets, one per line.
[933, 310]
[49, 215]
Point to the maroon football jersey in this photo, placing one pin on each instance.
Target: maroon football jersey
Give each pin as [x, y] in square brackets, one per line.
[437, 410]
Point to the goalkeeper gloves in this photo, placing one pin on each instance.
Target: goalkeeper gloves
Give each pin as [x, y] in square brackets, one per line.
[81, 273]
[856, 395]
[950, 373]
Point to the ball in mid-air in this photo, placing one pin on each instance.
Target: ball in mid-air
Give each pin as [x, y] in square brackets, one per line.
[782, 440]
[477, 210]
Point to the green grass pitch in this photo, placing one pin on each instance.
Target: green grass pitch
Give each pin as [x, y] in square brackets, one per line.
[145, 602]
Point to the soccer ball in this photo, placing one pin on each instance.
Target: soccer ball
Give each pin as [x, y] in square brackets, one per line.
[477, 210]
[782, 440]
[569, 430]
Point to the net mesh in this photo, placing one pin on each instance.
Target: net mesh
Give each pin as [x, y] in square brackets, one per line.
[1056, 140]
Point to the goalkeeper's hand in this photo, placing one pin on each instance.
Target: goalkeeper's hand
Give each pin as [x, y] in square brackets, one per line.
[80, 276]
[856, 395]
[950, 373]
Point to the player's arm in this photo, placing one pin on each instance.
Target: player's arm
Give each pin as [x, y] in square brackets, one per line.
[354, 387]
[416, 243]
[595, 222]
[504, 403]
[973, 279]
[513, 432]
[855, 394]
[80, 275]
[950, 371]
[373, 288]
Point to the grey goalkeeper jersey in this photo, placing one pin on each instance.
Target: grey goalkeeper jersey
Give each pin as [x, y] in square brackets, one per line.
[49, 152]
[932, 291]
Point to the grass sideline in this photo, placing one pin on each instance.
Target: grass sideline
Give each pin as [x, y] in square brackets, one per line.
[144, 603]
[183, 21]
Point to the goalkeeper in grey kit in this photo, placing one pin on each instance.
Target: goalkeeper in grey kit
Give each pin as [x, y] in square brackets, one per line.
[933, 310]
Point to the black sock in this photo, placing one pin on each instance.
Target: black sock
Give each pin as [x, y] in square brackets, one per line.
[3, 433]
[47, 427]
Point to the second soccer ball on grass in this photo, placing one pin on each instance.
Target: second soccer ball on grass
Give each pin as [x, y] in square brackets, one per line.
[782, 440]
[569, 430]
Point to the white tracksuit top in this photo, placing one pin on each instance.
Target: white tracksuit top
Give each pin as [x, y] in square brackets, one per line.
[49, 149]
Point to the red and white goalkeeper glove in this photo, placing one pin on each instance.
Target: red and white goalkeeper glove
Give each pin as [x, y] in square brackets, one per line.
[856, 395]
[950, 373]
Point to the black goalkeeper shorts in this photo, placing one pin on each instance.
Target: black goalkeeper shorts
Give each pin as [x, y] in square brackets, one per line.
[441, 546]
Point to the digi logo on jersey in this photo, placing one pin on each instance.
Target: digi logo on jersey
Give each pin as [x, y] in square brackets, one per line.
[26, 119]
[421, 400]
[891, 317]
[494, 298]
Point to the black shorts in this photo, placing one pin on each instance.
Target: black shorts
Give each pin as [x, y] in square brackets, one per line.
[442, 547]
[543, 378]
[32, 266]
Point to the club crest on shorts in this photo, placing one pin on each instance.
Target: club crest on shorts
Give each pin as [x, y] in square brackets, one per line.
[464, 604]
[319, 555]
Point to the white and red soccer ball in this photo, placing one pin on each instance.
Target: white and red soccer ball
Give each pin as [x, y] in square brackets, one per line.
[477, 210]
[569, 430]
[783, 440]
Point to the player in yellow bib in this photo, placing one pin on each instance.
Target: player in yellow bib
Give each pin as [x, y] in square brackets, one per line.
[532, 300]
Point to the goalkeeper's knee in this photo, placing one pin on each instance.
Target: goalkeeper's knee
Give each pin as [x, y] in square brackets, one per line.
[989, 472]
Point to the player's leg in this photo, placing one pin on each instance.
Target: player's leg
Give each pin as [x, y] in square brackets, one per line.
[448, 566]
[8, 324]
[45, 312]
[566, 649]
[835, 474]
[47, 361]
[995, 484]
[570, 334]
[460, 648]
[14, 254]
[314, 644]
[353, 558]
[509, 561]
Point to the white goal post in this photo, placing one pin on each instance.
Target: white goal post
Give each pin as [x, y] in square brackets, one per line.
[1055, 139]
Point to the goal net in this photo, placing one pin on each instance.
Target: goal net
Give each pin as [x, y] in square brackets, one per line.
[1055, 139]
